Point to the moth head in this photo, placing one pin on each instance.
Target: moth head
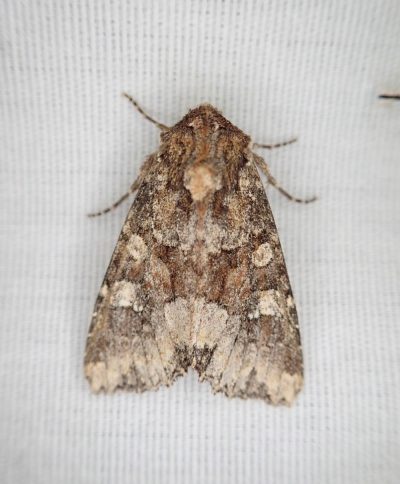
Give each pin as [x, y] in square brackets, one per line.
[205, 118]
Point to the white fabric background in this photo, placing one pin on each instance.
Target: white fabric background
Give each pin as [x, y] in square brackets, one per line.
[70, 144]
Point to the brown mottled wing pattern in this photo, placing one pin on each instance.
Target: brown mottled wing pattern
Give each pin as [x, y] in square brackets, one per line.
[129, 344]
[259, 353]
[198, 276]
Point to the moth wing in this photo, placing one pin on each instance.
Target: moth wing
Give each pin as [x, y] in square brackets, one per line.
[129, 344]
[257, 353]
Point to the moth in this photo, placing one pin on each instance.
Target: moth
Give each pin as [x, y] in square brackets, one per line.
[198, 278]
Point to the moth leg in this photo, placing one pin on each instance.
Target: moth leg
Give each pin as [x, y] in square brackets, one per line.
[161, 126]
[276, 145]
[272, 181]
[115, 204]
[389, 96]
[135, 185]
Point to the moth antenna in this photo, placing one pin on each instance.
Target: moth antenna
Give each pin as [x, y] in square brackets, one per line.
[159, 125]
[272, 181]
[276, 145]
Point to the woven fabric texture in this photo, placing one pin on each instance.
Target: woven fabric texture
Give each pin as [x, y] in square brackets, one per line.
[70, 144]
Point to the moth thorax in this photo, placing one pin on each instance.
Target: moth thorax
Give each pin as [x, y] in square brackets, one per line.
[201, 179]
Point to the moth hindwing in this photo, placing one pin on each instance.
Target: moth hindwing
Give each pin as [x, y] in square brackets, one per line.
[198, 277]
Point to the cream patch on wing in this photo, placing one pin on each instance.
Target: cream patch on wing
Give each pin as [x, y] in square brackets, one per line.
[269, 303]
[177, 320]
[263, 255]
[195, 322]
[123, 294]
[282, 387]
[137, 248]
[290, 302]
[108, 376]
[209, 322]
